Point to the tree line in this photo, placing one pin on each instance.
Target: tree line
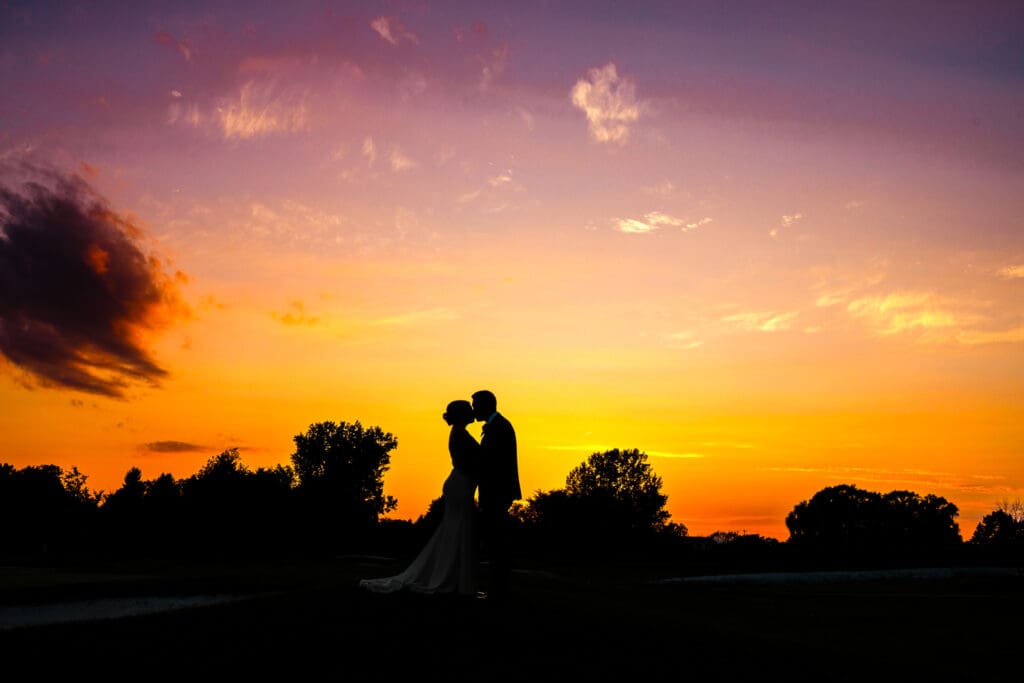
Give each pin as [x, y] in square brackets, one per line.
[331, 498]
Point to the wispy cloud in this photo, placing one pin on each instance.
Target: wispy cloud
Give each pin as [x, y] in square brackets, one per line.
[599, 448]
[262, 108]
[786, 221]
[296, 223]
[493, 65]
[181, 46]
[836, 287]
[697, 224]
[976, 337]
[609, 101]
[902, 311]
[527, 118]
[495, 189]
[369, 150]
[391, 30]
[671, 454]
[296, 315]
[1012, 272]
[761, 321]
[663, 189]
[418, 317]
[400, 162]
[727, 444]
[685, 340]
[501, 179]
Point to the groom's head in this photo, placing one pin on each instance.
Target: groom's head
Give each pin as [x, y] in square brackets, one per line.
[484, 405]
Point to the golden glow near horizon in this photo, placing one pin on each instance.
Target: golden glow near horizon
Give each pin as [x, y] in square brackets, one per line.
[766, 289]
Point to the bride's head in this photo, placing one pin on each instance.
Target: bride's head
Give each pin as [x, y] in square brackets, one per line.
[459, 413]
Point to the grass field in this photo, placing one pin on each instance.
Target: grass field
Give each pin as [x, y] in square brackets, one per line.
[310, 621]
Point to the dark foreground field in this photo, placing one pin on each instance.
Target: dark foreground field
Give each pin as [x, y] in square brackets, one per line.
[311, 621]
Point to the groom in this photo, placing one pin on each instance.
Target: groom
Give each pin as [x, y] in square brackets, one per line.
[499, 486]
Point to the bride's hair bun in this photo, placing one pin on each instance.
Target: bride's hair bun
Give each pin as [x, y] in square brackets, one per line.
[459, 409]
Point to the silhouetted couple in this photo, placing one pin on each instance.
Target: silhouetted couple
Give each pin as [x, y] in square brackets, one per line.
[448, 562]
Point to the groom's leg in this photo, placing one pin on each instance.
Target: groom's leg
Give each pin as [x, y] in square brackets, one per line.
[499, 554]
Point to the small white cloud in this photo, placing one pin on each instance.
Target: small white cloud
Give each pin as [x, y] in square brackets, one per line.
[853, 204]
[651, 221]
[176, 94]
[609, 102]
[790, 219]
[1012, 272]
[391, 30]
[634, 227]
[400, 162]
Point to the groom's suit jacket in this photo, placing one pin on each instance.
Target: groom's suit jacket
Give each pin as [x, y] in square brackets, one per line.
[499, 465]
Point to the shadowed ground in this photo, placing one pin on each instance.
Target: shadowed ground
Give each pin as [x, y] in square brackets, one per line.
[596, 625]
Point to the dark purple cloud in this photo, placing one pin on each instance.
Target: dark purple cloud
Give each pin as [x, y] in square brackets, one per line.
[171, 447]
[77, 293]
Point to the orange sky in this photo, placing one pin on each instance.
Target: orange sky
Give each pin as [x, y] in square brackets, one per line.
[771, 259]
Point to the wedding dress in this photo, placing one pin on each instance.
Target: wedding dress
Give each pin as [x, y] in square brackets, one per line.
[447, 563]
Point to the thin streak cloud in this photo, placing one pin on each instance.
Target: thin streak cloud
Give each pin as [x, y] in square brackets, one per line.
[172, 447]
[761, 321]
[417, 317]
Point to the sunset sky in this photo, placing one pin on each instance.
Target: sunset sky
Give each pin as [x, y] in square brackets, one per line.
[775, 248]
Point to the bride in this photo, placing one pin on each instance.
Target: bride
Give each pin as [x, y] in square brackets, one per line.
[447, 564]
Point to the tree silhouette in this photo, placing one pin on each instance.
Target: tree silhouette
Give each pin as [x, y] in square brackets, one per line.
[340, 468]
[1001, 532]
[997, 528]
[45, 509]
[233, 509]
[622, 488]
[613, 500]
[848, 522]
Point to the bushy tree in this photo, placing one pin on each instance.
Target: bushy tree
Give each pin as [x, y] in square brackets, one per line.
[613, 500]
[1002, 529]
[45, 509]
[340, 468]
[621, 488]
